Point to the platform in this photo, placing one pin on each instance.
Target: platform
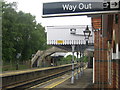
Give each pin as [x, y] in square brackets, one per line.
[64, 81]
[84, 81]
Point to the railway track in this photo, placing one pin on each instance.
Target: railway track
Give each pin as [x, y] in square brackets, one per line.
[29, 83]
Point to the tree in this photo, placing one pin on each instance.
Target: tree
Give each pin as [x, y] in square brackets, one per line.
[8, 20]
[21, 33]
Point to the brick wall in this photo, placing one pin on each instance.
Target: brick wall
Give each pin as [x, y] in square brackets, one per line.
[100, 54]
[116, 27]
[115, 40]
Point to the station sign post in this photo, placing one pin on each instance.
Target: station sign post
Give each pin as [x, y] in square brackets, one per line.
[82, 7]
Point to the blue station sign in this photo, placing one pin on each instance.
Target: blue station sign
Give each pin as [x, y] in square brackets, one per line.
[83, 7]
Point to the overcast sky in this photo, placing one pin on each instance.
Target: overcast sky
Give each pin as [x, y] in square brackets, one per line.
[35, 8]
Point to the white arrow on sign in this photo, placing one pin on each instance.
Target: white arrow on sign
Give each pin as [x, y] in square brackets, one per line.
[114, 4]
[105, 4]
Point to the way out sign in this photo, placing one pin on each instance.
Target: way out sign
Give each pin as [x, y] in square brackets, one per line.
[82, 7]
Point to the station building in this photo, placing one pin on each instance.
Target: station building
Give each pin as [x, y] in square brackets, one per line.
[106, 50]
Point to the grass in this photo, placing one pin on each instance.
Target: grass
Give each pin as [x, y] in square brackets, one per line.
[11, 67]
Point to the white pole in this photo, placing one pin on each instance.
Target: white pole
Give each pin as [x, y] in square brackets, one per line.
[93, 70]
[80, 64]
[77, 66]
[72, 79]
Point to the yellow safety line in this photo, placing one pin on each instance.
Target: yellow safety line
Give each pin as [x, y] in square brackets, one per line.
[19, 72]
[57, 83]
[45, 82]
[60, 81]
[31, 80]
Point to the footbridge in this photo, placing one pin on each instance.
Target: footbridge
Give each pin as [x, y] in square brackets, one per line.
[40, 55]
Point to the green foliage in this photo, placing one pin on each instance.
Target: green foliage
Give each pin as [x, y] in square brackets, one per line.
[85, 59]
[68, 58]
[21, 34]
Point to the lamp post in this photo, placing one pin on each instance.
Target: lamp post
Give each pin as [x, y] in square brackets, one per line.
[17, 56]
[87, 33]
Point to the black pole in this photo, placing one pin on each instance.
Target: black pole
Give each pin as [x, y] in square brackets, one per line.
[86, 42]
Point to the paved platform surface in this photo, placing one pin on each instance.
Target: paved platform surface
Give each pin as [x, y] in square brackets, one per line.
[84, 81]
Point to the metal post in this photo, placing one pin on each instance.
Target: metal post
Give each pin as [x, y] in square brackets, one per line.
[83, 64]
[87, 42]
[77, 66]
[80, 64]
[72, 79]
[17, 64]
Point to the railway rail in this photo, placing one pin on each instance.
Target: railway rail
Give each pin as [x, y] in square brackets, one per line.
[23, 80]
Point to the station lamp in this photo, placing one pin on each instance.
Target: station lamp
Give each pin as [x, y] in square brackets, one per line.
[87, 33]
